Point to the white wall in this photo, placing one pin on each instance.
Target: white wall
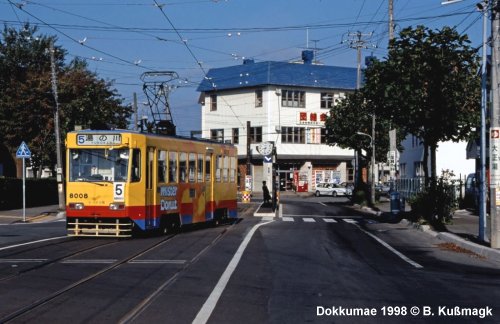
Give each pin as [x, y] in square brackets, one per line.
[449, 155]
[235, 108]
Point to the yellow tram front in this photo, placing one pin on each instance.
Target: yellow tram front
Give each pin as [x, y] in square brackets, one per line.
[118, 181]
[102, 166]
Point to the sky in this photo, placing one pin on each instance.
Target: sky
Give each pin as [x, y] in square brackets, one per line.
[122, 39]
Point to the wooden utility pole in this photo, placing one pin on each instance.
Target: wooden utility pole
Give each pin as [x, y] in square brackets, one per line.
[59, 172]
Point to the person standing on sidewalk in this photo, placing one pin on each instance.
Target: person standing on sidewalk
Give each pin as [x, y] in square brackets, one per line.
[265, 191]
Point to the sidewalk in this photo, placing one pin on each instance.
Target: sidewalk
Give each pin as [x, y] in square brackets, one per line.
[463, 231]
[33, 214]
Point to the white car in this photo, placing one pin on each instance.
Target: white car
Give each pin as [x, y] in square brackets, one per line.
[331, 189]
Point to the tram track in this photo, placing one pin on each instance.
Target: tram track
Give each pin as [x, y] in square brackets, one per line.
[49, 262]
[43, 303]
[148, 300]
[51, 297]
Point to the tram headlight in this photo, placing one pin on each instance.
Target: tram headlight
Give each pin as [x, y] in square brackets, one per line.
[76, 206]
[117, 206]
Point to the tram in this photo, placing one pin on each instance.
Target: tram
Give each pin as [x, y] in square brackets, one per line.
[119, 182]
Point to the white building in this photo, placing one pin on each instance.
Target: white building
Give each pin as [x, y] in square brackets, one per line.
[283, 103]
[449, 156]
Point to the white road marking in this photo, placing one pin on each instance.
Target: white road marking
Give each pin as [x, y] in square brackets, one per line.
[287, 219]
[209, 305]
[322, 216]
[350, 221]
[89, 261]
[23, 260]
[158, 261]
[329, 220]
[323, 204]
[308, 220]
[393, 250]
[32, 242]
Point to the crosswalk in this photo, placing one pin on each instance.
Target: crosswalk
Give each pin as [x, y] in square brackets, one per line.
[317, 219]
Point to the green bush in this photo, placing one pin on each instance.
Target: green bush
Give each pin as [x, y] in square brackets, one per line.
[436, 203]
[39, 192]
[360, 194]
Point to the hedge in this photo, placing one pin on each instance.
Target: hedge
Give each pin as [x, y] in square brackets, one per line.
[39, 192]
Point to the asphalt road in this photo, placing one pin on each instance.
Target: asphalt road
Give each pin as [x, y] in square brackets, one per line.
[319, 262]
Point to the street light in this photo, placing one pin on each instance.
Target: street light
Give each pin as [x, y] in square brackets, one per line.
[372, 144]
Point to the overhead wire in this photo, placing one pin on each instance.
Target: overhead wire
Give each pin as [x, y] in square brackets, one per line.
[75, 40]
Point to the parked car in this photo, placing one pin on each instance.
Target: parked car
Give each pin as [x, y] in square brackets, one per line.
[331, 189]
[383, 188]
[348, 185]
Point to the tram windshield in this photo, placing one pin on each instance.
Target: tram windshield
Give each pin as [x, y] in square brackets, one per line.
[98, 165]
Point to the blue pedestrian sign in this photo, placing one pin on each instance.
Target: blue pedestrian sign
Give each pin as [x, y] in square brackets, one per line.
[23, 152]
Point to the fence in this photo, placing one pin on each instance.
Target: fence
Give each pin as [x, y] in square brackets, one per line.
[409, 188]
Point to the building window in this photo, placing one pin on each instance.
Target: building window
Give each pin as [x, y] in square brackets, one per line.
[217, 135]
[327, 100]
[324, 133]
[236, 135]
[256, 134]
[293, 98]
[258, 98]
[419, 169]
[295, 135]
[213, 102]
[402, 170]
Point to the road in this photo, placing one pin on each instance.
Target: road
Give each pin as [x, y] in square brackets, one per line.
[319, 262]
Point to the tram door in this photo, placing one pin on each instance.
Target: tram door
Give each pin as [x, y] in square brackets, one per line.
[150, 201]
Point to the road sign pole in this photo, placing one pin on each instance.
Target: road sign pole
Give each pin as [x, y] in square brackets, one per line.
[24, 190]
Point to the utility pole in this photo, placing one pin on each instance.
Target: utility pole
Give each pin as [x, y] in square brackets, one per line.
[495, 128]
[249, 141]
[136, 113]
[392, 133]
[59, 173]
[391, 19]
[484, 103]
[357, 42]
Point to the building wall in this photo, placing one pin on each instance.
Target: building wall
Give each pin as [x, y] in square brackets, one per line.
[449, 156]
[235, 108]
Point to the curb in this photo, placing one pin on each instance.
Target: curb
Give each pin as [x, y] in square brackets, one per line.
[257, 214]
[478, 249]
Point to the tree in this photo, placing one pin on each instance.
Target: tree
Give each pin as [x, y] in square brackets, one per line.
[430, 88]
[27, 102]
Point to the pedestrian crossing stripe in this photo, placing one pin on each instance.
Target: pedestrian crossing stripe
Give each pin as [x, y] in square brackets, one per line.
[23, 151]
[314, 220]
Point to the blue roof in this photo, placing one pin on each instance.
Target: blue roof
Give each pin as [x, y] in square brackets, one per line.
[280, 74]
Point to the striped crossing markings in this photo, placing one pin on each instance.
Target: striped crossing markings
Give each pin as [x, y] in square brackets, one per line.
[316, 219]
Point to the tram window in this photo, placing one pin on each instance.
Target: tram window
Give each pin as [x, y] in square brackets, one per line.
[207, 168]
[172, 166]
[182, 167]
[162, 166]
[200, 167]
[192, 167]
[232, 174]
[218, 168]
[225, 168]
[136, 165]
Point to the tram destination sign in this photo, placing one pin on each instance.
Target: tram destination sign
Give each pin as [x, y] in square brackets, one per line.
[98, 139]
